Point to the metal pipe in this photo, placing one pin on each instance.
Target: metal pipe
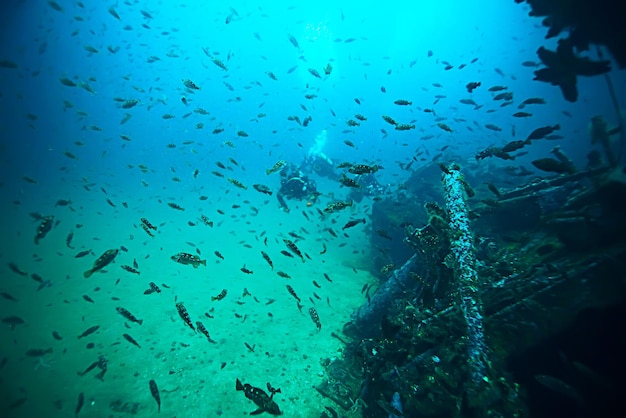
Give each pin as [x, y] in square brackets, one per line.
[462, 249]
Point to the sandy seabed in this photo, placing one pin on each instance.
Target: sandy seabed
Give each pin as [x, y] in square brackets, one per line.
[196, 378]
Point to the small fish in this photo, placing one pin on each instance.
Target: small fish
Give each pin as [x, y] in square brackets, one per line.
[543, 131]
[147, 229]
[551, 165]
[175, 206]
[128, 104]
[88, 299]
[504, 96]
[468, 102]
[260, 398]
[515, 145]
[63, 202]
[444, 127]
[130, 269]
[293, 293]
[387, 268]
[44, 227]
[204, 331]
[36, 277]
[219, 63]
[402, 102]
[315, 318]
[56, 6]
[126, 314]
[404, 127]
[105, 259]
[493, 189]
[336, 206]
[389, 120]
[268, 259]
[89, 331]
[38, 352]
[276, 167]
[245, 270]
[272, 390]
[8, 296]
[68, 240]
[286, 253]
[353, 222]
[190, 84]
[154, 390]
[532, 100]
[182, 311]
[14, 268]
[101, 363]
[314, 73]
[206, 221]
[186, 259]
[472, 85]
[348, 182]
[12, 321]
[131, 340]
[262, 188]
[79, 404]
[294, 41]
[221, 295]
[114, 13]
[293, 248]
[363, 169]
[237, 183]
[154, 288]
[147, 223]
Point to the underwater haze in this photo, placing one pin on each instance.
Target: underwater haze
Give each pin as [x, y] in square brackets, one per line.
[152, 144]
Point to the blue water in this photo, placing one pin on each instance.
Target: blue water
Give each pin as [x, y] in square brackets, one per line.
[370, 48]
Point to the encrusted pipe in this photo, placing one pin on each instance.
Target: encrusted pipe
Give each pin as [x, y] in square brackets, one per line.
[365, 321]
[467, 278]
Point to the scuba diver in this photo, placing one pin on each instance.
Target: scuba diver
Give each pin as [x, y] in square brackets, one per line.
[295, 185]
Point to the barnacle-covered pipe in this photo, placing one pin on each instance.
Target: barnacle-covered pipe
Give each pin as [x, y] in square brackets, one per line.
[462, 250]
[365, 322]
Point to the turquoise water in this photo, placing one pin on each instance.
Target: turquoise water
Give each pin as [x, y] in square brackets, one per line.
[79, 143]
